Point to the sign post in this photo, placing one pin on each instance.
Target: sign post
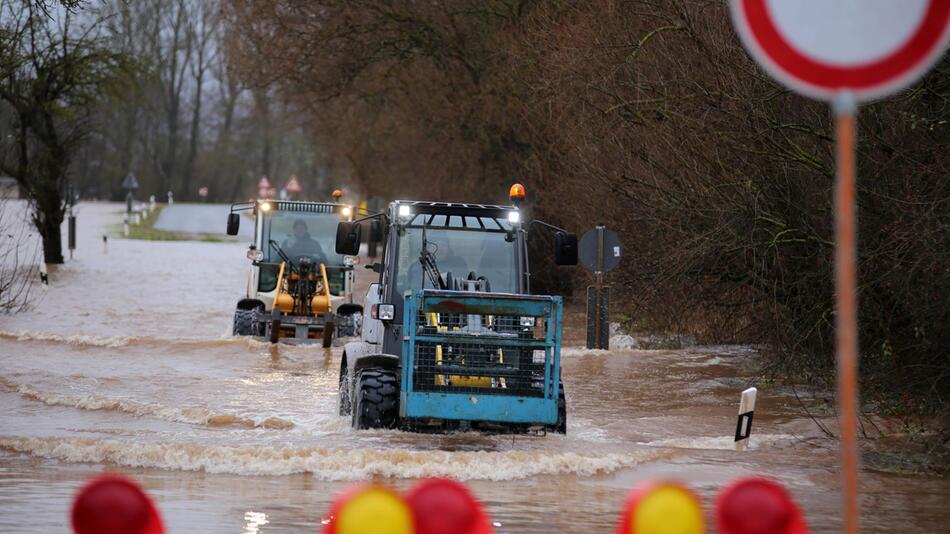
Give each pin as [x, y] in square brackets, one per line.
[599, 250]
[845, 52]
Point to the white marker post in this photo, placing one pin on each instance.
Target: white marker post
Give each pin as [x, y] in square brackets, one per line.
[845, 52]
[744, 423]
[125, 225]
[44, 277]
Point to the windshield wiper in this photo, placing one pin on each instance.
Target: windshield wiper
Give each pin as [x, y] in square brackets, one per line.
[429, 266]
[283, 255]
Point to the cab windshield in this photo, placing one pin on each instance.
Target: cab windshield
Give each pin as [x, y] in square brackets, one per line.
[301, 234]
[460, 245]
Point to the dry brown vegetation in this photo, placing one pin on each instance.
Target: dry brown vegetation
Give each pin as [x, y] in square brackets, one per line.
[650, 117]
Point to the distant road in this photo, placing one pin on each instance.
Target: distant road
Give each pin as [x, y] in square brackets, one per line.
[200, 219]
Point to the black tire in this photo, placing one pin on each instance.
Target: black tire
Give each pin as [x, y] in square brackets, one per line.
[328, 329]
[561, 426]
[346, 397]
[275, 326]
[245, 323]
[376, 403]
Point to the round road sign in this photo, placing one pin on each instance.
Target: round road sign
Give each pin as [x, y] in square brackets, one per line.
[820, 48]
[587, 249]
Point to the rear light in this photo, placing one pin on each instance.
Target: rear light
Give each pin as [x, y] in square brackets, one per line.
[255, 255]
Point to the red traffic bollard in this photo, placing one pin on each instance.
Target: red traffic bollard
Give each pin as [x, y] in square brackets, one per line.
[662, 508]
[758, 506]
[369, 509]
[443, 506]
[113, 504]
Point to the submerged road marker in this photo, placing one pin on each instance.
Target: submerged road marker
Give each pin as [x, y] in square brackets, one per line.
[744, 422]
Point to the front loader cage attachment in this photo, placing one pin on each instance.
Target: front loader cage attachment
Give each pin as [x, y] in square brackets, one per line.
[481, 356]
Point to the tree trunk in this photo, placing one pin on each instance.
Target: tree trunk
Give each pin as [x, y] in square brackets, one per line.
[185, 191]
[52, 242]
[48, 217]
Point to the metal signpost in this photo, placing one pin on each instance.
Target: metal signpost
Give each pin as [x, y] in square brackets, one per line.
[845, 52]
[599, 250]
[71, 218]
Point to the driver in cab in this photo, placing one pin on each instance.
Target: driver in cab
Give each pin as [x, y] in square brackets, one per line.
[301, 244]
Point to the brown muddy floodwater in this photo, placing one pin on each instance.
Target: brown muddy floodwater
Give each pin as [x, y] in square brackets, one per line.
[127, 364]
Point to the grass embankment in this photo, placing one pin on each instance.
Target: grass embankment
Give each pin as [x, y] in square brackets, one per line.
[146, 231]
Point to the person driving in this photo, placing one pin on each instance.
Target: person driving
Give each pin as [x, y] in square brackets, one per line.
[301, 244]
[445, 256]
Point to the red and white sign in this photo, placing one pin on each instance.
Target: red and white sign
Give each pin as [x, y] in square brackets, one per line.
[202, 192]
[263, 186]
[293, 186]
[820, 48]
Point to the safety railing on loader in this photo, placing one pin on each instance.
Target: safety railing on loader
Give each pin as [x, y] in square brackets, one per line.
[481, 357]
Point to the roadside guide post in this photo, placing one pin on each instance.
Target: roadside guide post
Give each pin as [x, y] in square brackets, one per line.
[744, 422]
[845, 52]
[599, 250]
[171, 198]
[129, 184]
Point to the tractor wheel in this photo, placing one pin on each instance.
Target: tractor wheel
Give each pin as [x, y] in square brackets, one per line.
[377, 399]
[275, 326]
[328, 328]
[346, 397]
[244, 324]
[561, 427]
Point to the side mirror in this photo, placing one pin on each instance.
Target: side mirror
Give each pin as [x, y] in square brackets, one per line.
[376, 230]
[234, 222]
[348, 237]
[565, 248]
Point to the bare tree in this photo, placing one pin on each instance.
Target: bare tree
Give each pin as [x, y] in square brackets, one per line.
[50, 79]
[202, 29]
[19, 252]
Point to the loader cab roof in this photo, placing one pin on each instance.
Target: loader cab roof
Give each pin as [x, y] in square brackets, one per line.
[451, 209]
[302, 206]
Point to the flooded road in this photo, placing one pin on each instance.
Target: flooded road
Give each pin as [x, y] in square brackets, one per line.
[127, 363]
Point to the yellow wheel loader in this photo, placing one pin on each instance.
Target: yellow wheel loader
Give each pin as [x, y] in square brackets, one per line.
[299, 289]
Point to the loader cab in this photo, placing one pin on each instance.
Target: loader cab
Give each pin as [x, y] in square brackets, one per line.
[470, 246]
[297, 229]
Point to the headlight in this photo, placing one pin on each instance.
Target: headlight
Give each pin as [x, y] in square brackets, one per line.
[383, 312]
[347, 211]
[527, 322]
[265, 206]
[404, 211]
[514, 217]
